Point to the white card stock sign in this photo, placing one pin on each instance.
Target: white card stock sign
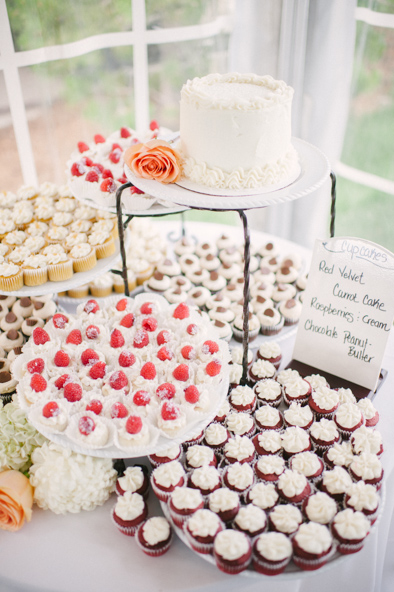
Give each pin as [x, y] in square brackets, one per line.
[348, 310]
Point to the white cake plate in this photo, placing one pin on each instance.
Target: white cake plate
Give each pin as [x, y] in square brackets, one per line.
[315, 169]
[292, 572]
[78, 279]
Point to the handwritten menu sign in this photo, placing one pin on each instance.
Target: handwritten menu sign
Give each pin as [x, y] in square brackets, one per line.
[348, 310]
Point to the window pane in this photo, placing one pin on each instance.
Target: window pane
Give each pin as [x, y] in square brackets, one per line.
[180, 13]
[47, 22]
[171, 65]
[78, 98]
[364, 213]
[11, 173]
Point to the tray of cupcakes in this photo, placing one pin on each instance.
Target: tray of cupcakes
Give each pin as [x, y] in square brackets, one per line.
[50, 243]
[123, 379]
[285, 480]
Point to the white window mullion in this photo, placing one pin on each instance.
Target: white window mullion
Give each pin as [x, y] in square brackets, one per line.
[15, 100]
[140, 62]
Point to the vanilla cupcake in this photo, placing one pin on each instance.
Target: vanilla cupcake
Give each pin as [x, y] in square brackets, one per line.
[83, 257]
[101, 286]
[11, 277]
[18, 255]
[103, 242]
[60, 267]
[35, 270]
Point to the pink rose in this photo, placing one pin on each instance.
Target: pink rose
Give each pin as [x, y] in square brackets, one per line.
[155, 160]
[16, 500]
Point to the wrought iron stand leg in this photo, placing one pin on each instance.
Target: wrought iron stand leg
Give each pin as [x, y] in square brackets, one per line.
[245, 338]
[333, 200]
[121, 235]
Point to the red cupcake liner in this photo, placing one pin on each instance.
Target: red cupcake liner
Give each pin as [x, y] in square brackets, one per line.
[155, 551]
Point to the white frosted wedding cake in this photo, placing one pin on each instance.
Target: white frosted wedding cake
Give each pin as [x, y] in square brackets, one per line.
[235, 131]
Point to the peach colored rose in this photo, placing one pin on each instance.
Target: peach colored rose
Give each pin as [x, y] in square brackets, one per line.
[16, 500]
[155, 160]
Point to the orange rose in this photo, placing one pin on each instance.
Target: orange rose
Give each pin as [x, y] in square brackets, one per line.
[155, 160]
[16, 500]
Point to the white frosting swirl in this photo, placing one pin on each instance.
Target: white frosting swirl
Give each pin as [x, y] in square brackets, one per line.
[274, 546]
[239, 447]
[268, 390]
[348, 415]
[351, 525]
[270, 464]
[223, 499]
[240, 476]
[186, 498]
[366, 440]
[337, 481]
[239, 423]
[270, 441]
[367, 408]
[231, 544]
[132, 479]
[341, 454]
[263, 495]
[198, 455]
[297, 387]
[306, 463]
[268, 416]
[325, 398]
[320, 508]
[203, 523]
[367, 466]
[168, 474]
[263, 369]
[206, 477]
[314, 538]
[286, 518]
[295, 439]
[292, 483]
[251, 518]
[156, 530]
[270, 350]
[242, 395]
[324, 430]
[362, 496]
[129, 506]
[296, 415]
[316, 381]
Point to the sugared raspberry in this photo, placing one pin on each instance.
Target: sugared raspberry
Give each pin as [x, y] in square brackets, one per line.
[164, 354]
[59, 320]
[74, 337]
[40, 336]
[36, 366]
[192, 329]
[51, 409]
[72, 392]
[149, 324]
[97, 370]
[141, 339]
[91, 306]
[148, 371]
[86, 160]
[126, 359]
[123, 179]
[89, 357]
[117, 339]
[116, 146]
[136, 190]
[147, 308]
[124, 132]
[92, 332]
[210, 347]
[181, 372]
[61, 359]
[181, 312]
[153, 125]
[78, 169]
[170, 411]
[121, 304]
[163, 337]
[191, 394]
[127, 321]
[86, 425]
[115, 155]
[107, 174]
[141, 398]
[62, 380]
[97, 167]
[82, 147]
[213, 368]
[99, 139]
[133, 424]
[118, 380]
[38, 383]
[108, 186]
[166, 391]
[188, 352]
[118, 410]
[92, 177]
[95, 405]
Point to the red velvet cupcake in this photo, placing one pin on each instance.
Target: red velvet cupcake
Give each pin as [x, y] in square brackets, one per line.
[251, 520]
[268, 442]
[293, 487]
[272, 552]
[200, 455]
[367, 467]
[166, 477]
[238, 477]
[242, 398]
[239, 449]
[363, 497]
[298, 390]
[312, 546]
[201, 530]
[207, 479]
[154, 536]
[184, 501]
[268, 418]
[165, 456]
[270, 351]
[225, 503]
[134, 479]
[350, 529]
[348, 418]
[269, 467]
[128, 513]
[232, 551]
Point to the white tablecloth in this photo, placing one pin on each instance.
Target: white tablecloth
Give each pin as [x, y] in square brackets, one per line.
[85, 552]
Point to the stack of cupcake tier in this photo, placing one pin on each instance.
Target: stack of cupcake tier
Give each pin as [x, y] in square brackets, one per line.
[95, 170]
[46, 235]
[290, 463]
[18, 318]
[126, 378]
[211, 276]
[146, 248]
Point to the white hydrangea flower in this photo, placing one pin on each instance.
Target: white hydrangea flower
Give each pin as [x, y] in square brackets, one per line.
[18, 438]
[66, 481]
